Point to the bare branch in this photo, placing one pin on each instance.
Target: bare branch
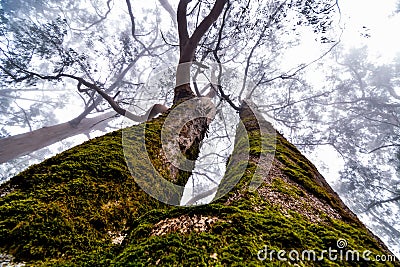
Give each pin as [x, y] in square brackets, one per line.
[25, 116]
[166, 5]
[271, 19]
[394, 199]
[382, 147]
[102, 17]
[208, 21]
[201, 196]
[146, 48]
[156, 109]
[289, 75]
[168, 43]
[21, 144]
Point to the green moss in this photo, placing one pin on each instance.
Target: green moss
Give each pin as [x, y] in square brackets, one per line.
[237, 239]
[279, 185]
[60, 212]
[66, 205]
[302, 172]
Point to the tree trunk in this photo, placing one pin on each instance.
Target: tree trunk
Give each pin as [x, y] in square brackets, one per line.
[83, 206]
[23, 144]
[188, 45]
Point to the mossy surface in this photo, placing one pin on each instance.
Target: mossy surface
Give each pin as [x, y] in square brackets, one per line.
[68, 210]
[69, 203]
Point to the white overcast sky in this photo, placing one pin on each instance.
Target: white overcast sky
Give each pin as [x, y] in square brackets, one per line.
[379, 18]
[382, 24]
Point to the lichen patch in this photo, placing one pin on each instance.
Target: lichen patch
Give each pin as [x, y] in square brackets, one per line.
[116, 237]
[184, 224]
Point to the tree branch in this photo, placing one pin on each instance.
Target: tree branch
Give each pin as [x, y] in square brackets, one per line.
[182, 24]
[166, 5]
[102, 18]
[382, 147]
[208, 21]
[201, 196]
[128, 3]
[189, 45]
[397, 198]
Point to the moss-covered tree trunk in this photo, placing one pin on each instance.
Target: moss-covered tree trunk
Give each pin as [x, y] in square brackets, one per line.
[84, 208]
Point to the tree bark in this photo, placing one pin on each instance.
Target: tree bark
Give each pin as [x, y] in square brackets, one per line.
[188, 45]
[23, 144]
[83, 206]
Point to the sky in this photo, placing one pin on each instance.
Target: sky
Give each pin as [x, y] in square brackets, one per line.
[380, 21]
[359, 17]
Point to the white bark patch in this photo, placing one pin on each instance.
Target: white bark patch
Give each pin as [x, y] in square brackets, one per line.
[184, 224]
[116, 237]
